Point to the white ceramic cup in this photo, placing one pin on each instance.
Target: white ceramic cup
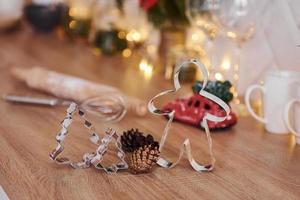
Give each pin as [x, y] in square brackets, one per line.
[277, 93]
[10, 12]
[292, 116]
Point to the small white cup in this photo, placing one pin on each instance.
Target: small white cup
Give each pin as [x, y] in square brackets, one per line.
[10, 12]
[277, 93]
[295, 115]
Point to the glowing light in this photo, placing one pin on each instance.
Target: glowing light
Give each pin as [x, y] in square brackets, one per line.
[126, 53]
[73, 11]
[143, 65]
[72, 24]
[226, 64]
[146, 68]
[148, 71]
[231, 35]
[121, 34]
[219, 76]
[195, 37]
[134, 36]
[79, 12]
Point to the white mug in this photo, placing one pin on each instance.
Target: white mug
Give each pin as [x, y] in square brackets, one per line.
[10, 12]
[276, 94]
[295, 114]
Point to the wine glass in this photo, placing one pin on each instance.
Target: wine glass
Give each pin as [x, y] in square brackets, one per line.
[199, 13]
[238, 19]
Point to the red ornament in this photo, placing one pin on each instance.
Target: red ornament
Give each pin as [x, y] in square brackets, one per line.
[192, 110]
[148, 4]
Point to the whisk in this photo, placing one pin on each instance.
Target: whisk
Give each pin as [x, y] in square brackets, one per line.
[108, 107]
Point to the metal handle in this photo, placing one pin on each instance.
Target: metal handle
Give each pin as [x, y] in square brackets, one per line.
[31, 100]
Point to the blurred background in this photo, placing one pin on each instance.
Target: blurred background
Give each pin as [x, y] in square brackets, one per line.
[238, 40]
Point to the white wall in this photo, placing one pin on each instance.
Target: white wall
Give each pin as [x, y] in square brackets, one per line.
[275, 42]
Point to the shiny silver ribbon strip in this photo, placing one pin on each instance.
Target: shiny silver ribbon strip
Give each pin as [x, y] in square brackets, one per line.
[101, 150]
[186, 146]
[3, 195]
[94, 158]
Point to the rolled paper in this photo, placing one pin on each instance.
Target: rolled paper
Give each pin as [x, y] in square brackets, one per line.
[72, 88]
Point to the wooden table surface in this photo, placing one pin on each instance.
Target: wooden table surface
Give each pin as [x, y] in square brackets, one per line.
[251, 163]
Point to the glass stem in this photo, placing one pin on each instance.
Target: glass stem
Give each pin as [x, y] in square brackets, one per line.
[211, 57]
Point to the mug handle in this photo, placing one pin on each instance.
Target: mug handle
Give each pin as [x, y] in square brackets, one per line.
[287, 120]
[247, 101]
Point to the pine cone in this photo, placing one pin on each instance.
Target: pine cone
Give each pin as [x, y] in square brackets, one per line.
[141, 140]
[128, 140]
[144, 158]
[133, 139]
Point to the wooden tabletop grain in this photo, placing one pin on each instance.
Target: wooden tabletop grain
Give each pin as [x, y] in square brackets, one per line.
[251, 163]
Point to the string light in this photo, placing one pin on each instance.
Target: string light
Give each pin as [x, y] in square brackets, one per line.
[146, 68]
[79, 12]
[219, 76]
[134, 36]
[72, 24]
[231, 35]
[195, 37]
[126, 53]
[143, 65]
[121, 34]
[226, 64]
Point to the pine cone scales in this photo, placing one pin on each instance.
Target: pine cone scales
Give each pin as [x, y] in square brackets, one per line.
[128, 140]
[134, 139]
[142, 152]
[144, 158]
[142, 141]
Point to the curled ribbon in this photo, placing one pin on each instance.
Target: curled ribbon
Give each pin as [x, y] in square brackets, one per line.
[186, 146]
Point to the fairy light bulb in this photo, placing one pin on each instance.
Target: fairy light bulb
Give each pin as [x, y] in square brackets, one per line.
[143, 65]
[134, 36]
[146, 68]
[226, 63]
[219, 76]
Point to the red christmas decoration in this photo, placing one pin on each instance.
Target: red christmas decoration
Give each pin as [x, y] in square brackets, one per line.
[148, 4]
[192, 110]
